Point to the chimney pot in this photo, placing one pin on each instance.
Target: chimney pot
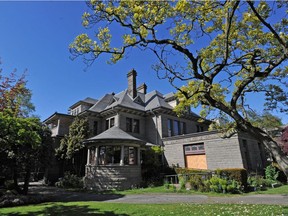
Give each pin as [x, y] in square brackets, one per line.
[131, 76]
[142, 88]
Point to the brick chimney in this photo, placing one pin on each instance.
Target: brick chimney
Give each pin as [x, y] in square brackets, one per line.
[131, 76]
[142, 88]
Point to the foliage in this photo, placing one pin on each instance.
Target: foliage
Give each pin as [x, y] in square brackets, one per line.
[198, 183]
[22, 146]
[237, 174]
[187, 171]
[105, 208]
[14, 95]
[229, 51]
[284, 140]
[72, 143]
[271, 173]
[258, 182]
[71, 149]
[266, 120]
[152, 167]
[70, 181]
[221, 185]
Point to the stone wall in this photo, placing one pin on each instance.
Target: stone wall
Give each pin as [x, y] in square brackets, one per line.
[220, 153]
[112, 177]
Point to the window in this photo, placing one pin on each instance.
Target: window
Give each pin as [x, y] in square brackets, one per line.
[194, 149]
[136, 124]
[246, 154]
[95, 127]
[182, 128]
[110, 123]
[199, 128]
[129, 124]
[132, 125]
[107, 124]
[109, 155]
[130, 155]
[170, 126]
[176, 127]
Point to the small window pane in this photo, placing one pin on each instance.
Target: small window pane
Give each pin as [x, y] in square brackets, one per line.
[136, 123]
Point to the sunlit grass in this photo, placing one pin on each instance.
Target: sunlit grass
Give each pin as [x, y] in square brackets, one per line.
[124, 209]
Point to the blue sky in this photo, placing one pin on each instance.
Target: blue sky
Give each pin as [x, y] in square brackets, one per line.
[35, 35]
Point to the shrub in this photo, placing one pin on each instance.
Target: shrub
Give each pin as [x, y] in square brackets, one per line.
[258, 182]
[237, 174]
[198, 183]
[220, 185]
[271, 173]
[70, 181]
[186, 171]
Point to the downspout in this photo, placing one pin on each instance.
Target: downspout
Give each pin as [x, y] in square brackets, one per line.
[157, 140]
[156, 125]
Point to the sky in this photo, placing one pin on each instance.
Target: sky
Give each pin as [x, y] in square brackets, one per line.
[35, 35]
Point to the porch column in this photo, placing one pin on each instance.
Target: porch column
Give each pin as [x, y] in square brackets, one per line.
[88, 157]
[122, 156]
[96, 155]
[138, 156]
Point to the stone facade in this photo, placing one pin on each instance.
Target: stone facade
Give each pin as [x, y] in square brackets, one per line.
[220, 152]
[157, 124]
[112, 177]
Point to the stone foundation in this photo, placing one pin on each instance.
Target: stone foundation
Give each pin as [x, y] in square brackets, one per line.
[112, 177]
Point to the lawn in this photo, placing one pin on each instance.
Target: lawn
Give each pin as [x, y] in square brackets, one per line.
[124, 209]
[279, 190]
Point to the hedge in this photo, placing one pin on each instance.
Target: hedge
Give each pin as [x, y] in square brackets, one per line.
[237, 174]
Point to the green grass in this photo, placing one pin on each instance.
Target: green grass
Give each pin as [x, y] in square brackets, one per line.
[124, 209]
[160, 189]
[279, 190]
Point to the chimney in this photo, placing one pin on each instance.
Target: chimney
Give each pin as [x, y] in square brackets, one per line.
[142, 88]
[132, 91]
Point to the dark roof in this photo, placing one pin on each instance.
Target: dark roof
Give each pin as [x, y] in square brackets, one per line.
[56, 115]
[114, 133]
[87, 100]
[142, 102]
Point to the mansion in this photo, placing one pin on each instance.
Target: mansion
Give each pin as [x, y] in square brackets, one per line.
[124, 124]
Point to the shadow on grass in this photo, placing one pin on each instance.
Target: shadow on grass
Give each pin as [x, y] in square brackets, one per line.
[63, 210]
[54, 194]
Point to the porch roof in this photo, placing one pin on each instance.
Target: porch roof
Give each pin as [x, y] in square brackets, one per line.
[114, 133]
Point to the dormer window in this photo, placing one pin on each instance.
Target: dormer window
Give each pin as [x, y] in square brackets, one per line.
[110, 123]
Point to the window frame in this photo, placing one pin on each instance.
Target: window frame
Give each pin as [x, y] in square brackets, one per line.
[189, 151]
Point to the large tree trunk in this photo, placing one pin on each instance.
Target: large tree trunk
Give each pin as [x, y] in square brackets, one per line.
[273, 148]
[26, 181]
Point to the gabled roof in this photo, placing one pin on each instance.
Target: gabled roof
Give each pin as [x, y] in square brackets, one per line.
[141, 102]
[154, 100]
[56, 116]
[87, 100]
[114, 133]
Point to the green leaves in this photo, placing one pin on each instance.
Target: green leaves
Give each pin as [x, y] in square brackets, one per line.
[72, 143]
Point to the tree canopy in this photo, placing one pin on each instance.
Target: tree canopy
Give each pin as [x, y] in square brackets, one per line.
[22, 138]
[230, 51]
[71, 146]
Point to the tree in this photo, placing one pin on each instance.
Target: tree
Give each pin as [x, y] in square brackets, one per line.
[21, 144]
[284, 140]
[14, 94]
[264, 121]
[71, 146]
[229, 51]
[21, 137]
